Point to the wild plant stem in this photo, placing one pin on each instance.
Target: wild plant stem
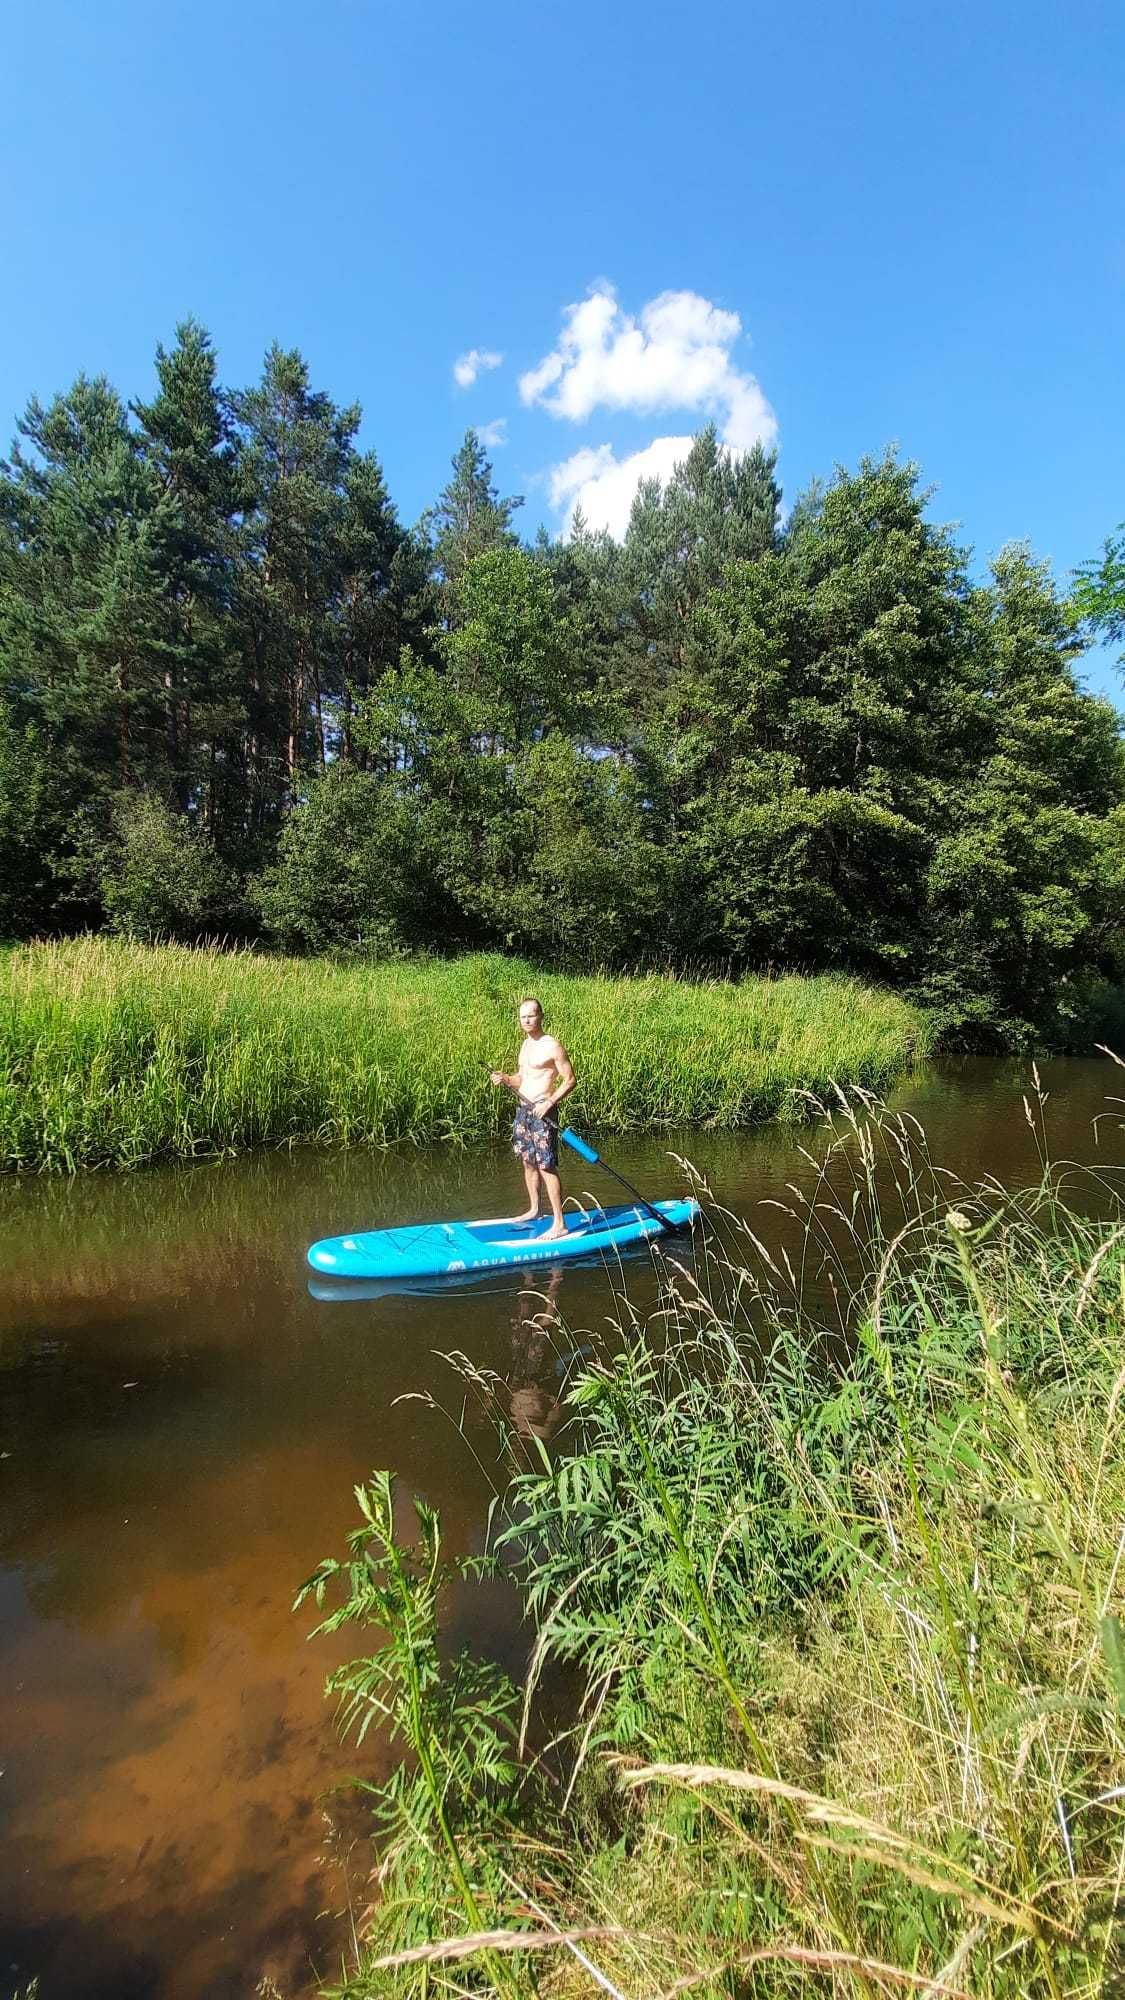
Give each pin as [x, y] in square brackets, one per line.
[766, 1763]
[421, 1736]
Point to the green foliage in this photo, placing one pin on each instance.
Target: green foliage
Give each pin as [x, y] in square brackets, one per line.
[84, 638]
[187, 440]
[1023, 891]
[455, 1719]
[713, 512]
[161, 877]
[466, 521]
[193, 600]
[1098, 598]
[842, 1592]
[510, 652]
[349, 875]
[32, 844]
[298, 448]
[582, 884]
[114, 1054]
[724, 741]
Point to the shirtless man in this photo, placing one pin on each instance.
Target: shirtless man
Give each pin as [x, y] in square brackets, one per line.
[544, 1077]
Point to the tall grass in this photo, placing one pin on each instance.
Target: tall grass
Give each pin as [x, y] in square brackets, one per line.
[114, 1054]
[837, 1549]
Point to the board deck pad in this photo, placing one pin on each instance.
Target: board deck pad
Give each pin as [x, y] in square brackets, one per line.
[452, 1249]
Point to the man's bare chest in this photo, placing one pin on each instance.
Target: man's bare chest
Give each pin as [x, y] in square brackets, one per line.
[537, 1058]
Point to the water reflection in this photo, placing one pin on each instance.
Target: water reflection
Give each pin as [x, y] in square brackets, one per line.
[534, 1392]
[182, 1426]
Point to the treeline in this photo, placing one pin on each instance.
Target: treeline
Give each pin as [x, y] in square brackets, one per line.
[239, 696]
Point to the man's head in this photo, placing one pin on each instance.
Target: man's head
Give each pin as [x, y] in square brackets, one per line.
[531, 1016]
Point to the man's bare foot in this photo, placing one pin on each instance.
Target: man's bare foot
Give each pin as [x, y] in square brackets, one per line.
[552, 1235]
[529, 1215]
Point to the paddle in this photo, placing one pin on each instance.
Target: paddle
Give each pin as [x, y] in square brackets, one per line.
[586, 1152]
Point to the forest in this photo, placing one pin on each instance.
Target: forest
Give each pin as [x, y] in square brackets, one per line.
[241, 699]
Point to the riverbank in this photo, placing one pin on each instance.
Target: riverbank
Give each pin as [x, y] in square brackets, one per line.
[117, 1055]
[848, 1630]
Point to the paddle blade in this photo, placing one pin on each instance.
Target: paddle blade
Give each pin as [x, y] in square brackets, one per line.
[578, 1145]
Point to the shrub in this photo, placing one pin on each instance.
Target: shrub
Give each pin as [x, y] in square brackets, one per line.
[349, 875]
[843, 1590]
[162, 877]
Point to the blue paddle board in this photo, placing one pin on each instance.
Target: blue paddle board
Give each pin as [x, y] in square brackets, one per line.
[461, 1249]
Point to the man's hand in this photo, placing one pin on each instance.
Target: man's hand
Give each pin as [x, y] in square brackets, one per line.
[497, 1076]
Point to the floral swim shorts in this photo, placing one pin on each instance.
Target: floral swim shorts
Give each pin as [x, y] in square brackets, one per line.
[535, 1140]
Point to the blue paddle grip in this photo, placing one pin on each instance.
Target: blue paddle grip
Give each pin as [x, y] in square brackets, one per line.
[577, 1145]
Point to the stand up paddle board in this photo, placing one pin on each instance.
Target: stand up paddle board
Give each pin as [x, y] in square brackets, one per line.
[456, 1249]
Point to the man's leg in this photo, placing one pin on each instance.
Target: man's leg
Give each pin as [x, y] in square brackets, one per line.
[531, 1181]
[553, 1185]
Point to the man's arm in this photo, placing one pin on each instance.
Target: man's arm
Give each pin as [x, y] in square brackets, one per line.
[565, 1084]
[501, 1079]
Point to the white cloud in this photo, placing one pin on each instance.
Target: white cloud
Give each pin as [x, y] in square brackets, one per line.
[586, 465]
[603, 485]
[674, 355]
[468, 366]
[493, 434]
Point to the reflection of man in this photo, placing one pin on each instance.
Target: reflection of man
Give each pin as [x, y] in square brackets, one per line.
[544, 1077]
[534, 1410]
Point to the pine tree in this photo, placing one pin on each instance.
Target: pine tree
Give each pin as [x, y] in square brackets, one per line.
[84, 642]
[1024, 888]
[386, 600]
[682, 538]
[468, 518]
[814, 728]
[187, 438]
[298, 449]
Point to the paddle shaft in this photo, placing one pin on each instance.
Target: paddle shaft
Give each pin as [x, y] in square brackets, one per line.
[669, 1228]
[586, 1152]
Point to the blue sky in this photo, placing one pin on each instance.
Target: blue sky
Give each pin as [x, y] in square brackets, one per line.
[875, 223]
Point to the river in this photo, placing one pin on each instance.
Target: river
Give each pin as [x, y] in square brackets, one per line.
[181, 1426]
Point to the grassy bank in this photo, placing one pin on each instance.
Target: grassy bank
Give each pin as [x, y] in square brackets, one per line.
[846, 1616]
[116, 1055]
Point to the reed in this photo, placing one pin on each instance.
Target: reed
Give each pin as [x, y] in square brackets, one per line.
[116, 1054]
[835, 1547]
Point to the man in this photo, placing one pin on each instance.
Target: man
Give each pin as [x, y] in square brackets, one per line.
[544, 1077]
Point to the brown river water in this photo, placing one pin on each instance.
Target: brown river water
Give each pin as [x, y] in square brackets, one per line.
[181, 1426]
